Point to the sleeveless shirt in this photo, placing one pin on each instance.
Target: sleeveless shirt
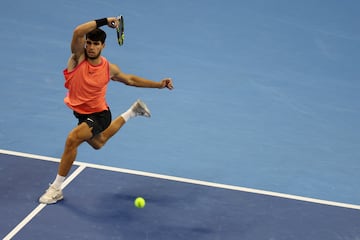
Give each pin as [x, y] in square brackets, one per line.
[87, 85]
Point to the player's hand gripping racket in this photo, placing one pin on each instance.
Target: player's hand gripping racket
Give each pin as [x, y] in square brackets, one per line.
[120, 30]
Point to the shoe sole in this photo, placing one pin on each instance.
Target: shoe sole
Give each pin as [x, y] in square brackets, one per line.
[145, 108]
[52, 202]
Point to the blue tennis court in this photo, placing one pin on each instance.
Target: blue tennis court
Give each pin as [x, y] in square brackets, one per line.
[99, 205]
[258, 140]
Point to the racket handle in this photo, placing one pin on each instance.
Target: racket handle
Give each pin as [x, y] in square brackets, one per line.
[118, 18]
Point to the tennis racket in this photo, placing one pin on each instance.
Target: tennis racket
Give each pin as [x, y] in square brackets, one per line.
[120, 30]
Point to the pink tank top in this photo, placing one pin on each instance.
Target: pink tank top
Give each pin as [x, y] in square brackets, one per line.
[87, 85]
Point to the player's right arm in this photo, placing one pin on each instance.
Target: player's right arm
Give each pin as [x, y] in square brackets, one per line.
[78, 44]
[78, 40]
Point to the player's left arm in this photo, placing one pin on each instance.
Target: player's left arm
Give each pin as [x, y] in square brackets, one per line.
[132, 80]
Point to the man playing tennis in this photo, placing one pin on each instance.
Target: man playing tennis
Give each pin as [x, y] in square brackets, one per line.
[86, 77]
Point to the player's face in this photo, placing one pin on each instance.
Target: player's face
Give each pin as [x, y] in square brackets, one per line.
[93, 49]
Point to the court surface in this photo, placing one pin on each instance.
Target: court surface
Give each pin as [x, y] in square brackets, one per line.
[98, 204]
[266, 101]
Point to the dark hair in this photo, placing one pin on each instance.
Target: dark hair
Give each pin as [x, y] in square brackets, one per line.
[96, 35]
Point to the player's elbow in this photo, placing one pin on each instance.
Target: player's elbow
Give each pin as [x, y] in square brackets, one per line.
[78, 32]
[129, 83]
[128, 80]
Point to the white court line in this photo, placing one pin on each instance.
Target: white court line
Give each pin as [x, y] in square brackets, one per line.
[219, 185]
[192, 181]
[25, 221]
[41, 206]
[27, 155]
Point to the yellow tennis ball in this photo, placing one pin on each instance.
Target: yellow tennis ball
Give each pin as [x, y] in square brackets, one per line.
[139, 202]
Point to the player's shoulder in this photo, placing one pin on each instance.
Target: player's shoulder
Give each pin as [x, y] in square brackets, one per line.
[74, 61]
[112, 65]
[104, 60]
[114, 70]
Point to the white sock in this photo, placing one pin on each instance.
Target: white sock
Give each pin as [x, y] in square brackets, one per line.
[128, 114]
[58, 181]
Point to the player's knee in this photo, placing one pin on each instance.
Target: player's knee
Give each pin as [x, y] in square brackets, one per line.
[97, 146]
[96, 143]
[72, 140]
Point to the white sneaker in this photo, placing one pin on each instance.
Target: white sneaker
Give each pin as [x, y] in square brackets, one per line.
[52, 195]
[140, 109]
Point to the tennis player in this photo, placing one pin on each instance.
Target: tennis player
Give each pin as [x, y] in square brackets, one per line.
[86, 77]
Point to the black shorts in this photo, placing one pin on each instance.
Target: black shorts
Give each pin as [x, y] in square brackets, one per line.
[97, 121]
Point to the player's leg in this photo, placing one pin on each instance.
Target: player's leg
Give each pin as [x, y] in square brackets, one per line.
[139, 108]
[100, 139]
[77, 136]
